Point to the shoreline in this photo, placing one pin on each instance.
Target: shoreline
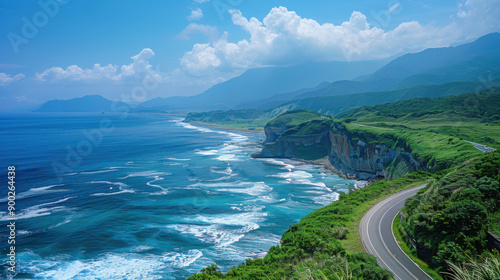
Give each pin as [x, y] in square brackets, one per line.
[324, 162]
[229, 128]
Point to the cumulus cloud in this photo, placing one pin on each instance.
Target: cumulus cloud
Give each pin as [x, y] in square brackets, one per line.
[196, 14]
[208, 31]
[202, 57]
[478, 17]
[283, 37]
[139, 68]
[6, 79]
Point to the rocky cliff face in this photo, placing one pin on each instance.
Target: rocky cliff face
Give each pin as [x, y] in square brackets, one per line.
[282, 142]
[367, 161]
[350, 154]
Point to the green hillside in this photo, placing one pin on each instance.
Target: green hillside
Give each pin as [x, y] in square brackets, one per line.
[474, 117]
[335, 104]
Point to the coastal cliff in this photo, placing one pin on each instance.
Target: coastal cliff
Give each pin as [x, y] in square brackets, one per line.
[311, 136]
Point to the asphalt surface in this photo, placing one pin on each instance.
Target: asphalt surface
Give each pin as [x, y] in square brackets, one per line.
[481, 147]
[379, 241]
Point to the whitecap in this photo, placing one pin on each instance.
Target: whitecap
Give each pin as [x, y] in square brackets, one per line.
[141, 248]
[110, 169]
[109, 266]
[181, 259]
[163, 190]
[37, 210]
[226, 171]
[119, 184]
[36, 191]
[178, 159]
[293, 175]
[206, 152]
[327, 198]
[113, 193]
[146, 174]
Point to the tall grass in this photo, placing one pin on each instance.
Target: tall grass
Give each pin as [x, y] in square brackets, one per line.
[487, 268]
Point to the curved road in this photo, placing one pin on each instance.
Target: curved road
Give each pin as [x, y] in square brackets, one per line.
[379, 241]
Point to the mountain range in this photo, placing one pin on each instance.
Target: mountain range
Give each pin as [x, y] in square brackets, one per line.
[316, 85]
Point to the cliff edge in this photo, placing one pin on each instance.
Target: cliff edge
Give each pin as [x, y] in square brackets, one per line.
[309, 135]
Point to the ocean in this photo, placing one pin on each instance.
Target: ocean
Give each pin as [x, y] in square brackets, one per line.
[109, 196]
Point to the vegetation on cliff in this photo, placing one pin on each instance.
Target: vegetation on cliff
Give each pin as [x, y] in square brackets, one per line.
[244, 118]
[450, 218]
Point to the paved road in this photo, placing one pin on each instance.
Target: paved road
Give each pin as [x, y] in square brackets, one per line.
[481, 147]
[379, 241]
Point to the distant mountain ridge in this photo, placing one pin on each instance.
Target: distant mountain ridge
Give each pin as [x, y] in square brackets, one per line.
[88, 103]
[468, 62]
[259, 83]
[338, 103]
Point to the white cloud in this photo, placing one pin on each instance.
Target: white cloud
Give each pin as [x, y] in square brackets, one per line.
[6, 79]
[478, 17]
[200, 58]
[208, 31]
[283, 37]
[139, 68]
[196, 14]
[201, 1]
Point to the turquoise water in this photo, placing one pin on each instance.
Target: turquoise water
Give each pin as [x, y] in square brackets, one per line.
[146, 197]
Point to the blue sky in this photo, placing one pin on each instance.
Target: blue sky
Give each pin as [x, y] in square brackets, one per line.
[139, 50]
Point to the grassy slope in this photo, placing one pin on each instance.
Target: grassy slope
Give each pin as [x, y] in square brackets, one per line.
[473, 117]
[236, 119]
[434, 129]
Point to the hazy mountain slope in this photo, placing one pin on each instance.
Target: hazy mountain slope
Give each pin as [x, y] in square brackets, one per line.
[338, 103]
[260, 83]
[88, 103]
[468, 62]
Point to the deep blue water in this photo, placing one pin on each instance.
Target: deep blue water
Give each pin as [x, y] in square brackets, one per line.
[145, 197]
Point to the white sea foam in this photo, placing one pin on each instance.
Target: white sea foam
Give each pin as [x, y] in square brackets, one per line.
[251, 188]
[228, 157]
[293, 175]
[239, 219]
[206, 152]
[37, 210]
[190, 126]
[181, 259]
[226, 171]
[36, 191]
[163, 190]
[109, 266]
[146, 174]
[119, 184]
[234, 137]
[286, 166]
[109, 169]
[141, 248]
[178, 159]
[327, 198]
[113, 193]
